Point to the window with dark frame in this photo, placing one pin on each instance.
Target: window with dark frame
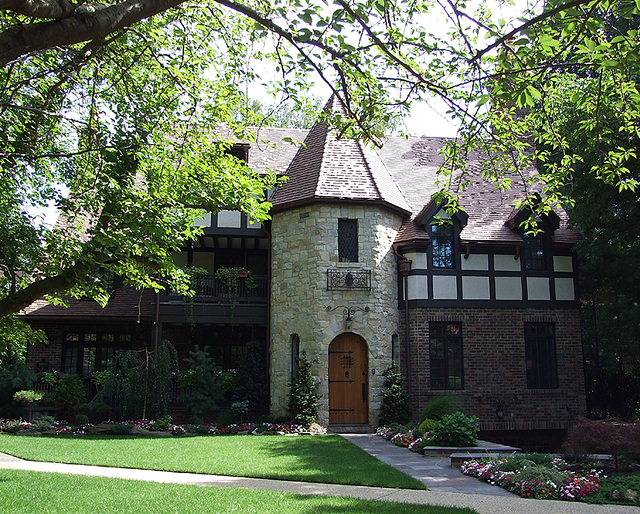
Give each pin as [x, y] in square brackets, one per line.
[295, 356]
[347, 240]
[442, 245]
[540, 355]
[445, 355]
[85, 353]
[533, 251]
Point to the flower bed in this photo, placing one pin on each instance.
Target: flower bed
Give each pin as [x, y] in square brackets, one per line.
[156, 426]
[532, 480]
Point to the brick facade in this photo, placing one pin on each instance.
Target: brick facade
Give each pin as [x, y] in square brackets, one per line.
[495, 370]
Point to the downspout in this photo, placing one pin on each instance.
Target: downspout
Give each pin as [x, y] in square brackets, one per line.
[404, 265]
[266, 227]
[156, 324]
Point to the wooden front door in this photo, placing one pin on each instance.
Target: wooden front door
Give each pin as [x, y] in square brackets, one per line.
[348, 380]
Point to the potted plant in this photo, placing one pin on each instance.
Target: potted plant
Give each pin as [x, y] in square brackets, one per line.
[230, 277]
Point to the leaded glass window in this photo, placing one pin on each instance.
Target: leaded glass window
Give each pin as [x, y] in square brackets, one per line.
[347, 240]
[442, 245]
[445, 355]
[540, 355]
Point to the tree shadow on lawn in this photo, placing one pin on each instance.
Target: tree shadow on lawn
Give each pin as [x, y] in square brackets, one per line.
[337, 461]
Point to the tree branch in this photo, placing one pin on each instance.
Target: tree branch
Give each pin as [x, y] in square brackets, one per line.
[19, 40]
[36, 290]
[533, 21]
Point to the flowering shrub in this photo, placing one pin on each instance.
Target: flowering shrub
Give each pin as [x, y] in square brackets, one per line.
[383, 431]
[535, 481]
[403, 440]
[416, 446]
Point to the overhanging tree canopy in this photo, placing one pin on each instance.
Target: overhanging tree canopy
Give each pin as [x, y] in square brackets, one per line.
[90, 92]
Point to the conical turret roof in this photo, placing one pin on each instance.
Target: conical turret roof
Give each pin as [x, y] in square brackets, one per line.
[331, 168]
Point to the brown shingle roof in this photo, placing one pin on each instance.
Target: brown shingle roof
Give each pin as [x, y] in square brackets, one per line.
[331, 168]
[126, 303]
[414, 164]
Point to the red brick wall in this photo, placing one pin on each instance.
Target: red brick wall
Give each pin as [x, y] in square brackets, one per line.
[494, 367]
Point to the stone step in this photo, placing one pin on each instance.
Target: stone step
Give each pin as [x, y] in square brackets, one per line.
[350, 429]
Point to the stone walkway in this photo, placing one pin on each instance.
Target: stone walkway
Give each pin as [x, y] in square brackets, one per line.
[448, 487]
[434, 472]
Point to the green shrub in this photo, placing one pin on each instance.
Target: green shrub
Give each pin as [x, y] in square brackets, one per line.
[227, 417]
[541, 474]
[622, 490]
[122, 428]
[14, 377]
[162, 367]
[100, 412]
[69, 395]
[44, 423]
[28, 396]
[265, 418]
[455, 430]
[427, 425]
[303, 396]
[82, 419]
[515, 463]
[162, 424]
[197, 429]
[250, 381]
[395, 406]
[205, 393]
[439, 406]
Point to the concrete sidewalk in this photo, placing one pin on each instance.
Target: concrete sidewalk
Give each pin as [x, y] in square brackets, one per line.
[478, 500]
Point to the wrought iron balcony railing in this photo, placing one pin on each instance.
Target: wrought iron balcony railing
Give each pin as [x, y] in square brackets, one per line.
[354, 280]
[208, 288]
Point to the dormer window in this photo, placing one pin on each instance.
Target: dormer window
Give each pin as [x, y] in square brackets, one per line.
[533, 251]
[444, 230]
[442, 244]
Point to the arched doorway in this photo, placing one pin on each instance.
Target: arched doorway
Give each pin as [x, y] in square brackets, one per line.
[348, 380]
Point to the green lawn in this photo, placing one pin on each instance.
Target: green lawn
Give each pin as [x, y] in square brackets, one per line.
[326, 459]
[26, 492]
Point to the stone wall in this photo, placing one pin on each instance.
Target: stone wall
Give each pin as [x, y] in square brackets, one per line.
[495, 368]
[304, 246]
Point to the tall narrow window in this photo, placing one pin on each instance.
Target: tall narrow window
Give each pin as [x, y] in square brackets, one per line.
[295, 356]
[445, 355]
[533, 252]
[540, 355]
[442, 245]
[347, 240]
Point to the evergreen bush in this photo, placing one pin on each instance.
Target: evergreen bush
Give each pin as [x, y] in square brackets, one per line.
[125, 389]
[14, 377]
[395, 406]
[302, 405]
[44, 423]
[162, 368]
[251, 381]
[206, 393]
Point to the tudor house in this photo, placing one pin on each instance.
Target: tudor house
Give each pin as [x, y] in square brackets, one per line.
[356, 269]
